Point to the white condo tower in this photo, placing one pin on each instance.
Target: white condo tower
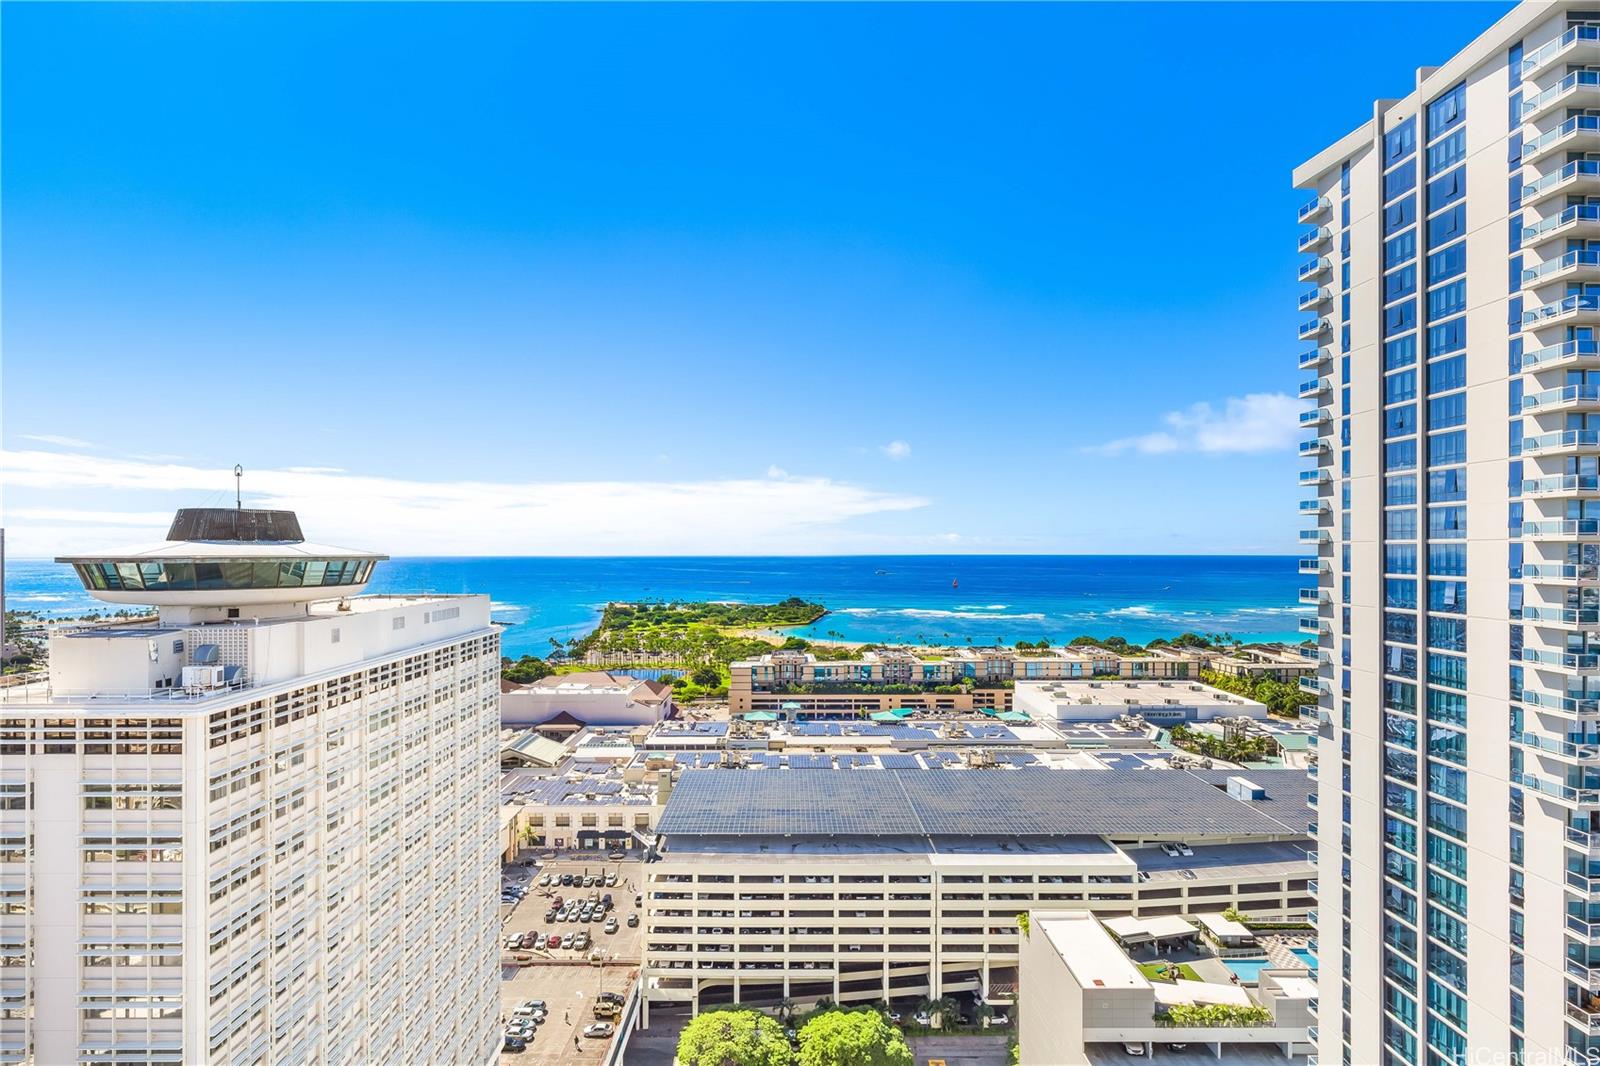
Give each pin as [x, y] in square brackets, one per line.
[261, 828]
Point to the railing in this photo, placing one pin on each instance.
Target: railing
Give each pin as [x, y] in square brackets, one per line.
[1565, 615]
[1310, 357]
[1312, 387]
[1314, 506]
[1562, 527]
[1567, 438]
[1559, 352]
[1567, 659]
[1312, 566]
[1315, 416]
[1313, 207]
[1563, 483]
[1560, 790]
[1313, 297]
[1317, 325]
[1586, 301]
[1575, 213]
[38, 693]
[1585, 31]
[1539, 101]
[1314, 237]
[1576, 124]
[1315, 477]
[1587, 168]
[1586, 748]
[1312, 268]
[1307, 447]
[1311, 625]
[1555, 266]
[1321, 536]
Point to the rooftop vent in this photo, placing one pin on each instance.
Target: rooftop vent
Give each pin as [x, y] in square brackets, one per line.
[231, 523]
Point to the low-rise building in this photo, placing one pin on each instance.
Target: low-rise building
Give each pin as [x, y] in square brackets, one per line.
[858, 885]
[798, 684]
[1079, 989]
[1162, 703]
[1277, 662]
[587, 806]
[593, 697]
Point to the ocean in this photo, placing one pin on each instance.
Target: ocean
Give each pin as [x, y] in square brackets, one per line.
[907, 598]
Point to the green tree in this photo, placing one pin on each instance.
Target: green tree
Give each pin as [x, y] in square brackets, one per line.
[852, 1038]
[734, 1038]
[706, 676]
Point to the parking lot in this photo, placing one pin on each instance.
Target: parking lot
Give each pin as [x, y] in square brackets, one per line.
[567, 980]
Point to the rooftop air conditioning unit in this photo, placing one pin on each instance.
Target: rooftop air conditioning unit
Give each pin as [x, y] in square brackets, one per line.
[203, 676]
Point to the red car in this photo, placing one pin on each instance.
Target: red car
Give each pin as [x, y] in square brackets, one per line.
[554, 941]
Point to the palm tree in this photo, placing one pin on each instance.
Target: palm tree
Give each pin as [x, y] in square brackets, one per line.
[786, 1008]
[946, 1008]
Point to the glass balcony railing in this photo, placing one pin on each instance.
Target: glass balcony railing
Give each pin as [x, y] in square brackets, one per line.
[1570, 394]
[1563, 615]
[1311, 625]
[1562, 527]
[1312, 597]
[1310, 684]
[1560, 790]
[1315, 477]
[1583, 32]
[1570, 748]
[1556, 266]
[1316, 536]
[1574, 214]
[1575, 304]
[1314, 207]
[1561, 572]
[1566, 438]
[1314, 237]
[1310, 357]
[1316, 325]
[1578, 78]
[1312, 387]
[1578, 168]
[1578, 350]
[1313, 447]
[1312, 267]
[1316, 416]
[1312, 566]
[1573, 483]
[1572, 126]
[1312, 297]
[1583, 838]
[1315, 506]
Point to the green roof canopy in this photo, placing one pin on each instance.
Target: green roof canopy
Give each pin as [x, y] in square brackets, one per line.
[788, 706]
[903, 712]
[760, 716]
[1014, 716]
[990, 711]
[883, 716]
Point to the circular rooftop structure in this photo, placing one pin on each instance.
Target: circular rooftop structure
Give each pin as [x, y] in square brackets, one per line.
[226, 557]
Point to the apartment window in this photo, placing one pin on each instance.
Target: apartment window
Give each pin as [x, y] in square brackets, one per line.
[1448, 152]
[1447, 189]
[1399, 352]
[1448, 374]
[1447, 411]
[1447, 560]
[398, 623]
[1397, 388]
[1447, 448]
[1398, 215]
[1445, 338]
[1448, 300]
[1400, 317]
[1400, 421]
[1397, 144]
[1447, 111]
[1447, 263]
[1397, 250]
[1446, 226]
[1447, 485]
[1399, 283]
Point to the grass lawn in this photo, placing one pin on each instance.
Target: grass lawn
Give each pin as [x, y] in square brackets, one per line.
[1153, 970]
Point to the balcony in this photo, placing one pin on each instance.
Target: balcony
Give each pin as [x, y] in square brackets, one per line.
[1562, 616]
[1573, 266]
[1317, 326]
[1312, 269]
[1313, 685]
[1313, 357]
[1583, 839]
[1315, 208]
[1315, 566]
[1318, 446]
[1582, 307]
[1570, 353]
[1562, 793]
[1315, 298]
[1569, 398]
[1588, 976]
[1562, 660]
[1567, 440]
[1313, 387]
[1581, 133]
[1580, 44]
[1568, 704]
[1581, 88]
[1579, 176]
[1317, 416]
[1588, 1021]
[1316, 507]
[1576, 751]
[1320, 476]
[1314, 239]
[1579, 220]
[1581, 528]
[1316, 626]
[1315, 597]
[1316, 536]
[1561, 485]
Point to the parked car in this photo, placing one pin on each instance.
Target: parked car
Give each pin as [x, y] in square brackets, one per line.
[611, 997]
[922, 1018]
[611, 924]
[567, 941]
[1133, 1049]
[581, 941]
[520, 1030]
[606, 899]
[599, 1029]
[617, 855]
[1171, 849]
[1185, 850]
[514, 1043]
[893, 1017]
[557, 902]
[566, 879]
[553, 941]
[550, 915]
[512, 942]
[633, 921]
[611, 880]
[999, 1019]
[546, 880]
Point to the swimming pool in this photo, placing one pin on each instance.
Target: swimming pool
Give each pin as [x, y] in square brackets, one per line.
[1248, 971]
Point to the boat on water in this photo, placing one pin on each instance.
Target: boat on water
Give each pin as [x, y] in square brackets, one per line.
[955, 584]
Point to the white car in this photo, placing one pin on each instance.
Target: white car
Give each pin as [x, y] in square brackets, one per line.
[599, 1029]
[922, 1019]
[1185, 850]
[1133, 1049]
[999, 1019]
[1171, 849]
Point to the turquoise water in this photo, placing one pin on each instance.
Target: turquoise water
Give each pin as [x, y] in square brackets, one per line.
[936, 599]
[1249, 970]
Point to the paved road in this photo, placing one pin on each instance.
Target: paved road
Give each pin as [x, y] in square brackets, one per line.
[958, 1050]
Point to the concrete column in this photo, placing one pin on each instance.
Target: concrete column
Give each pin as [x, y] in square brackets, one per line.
[836, 982]
[644, 1009]
[885, 980]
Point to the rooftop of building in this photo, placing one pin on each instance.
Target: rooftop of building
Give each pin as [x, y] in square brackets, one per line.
[595, 683]
[1021, 802]
[576, 785]
[954, 851]
[967, 653]
[1135, 694]
[1264, 860]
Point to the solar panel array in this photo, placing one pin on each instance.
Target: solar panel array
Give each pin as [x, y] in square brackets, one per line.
[1026, 801]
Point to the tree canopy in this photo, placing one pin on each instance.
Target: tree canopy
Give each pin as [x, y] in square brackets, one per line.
[734, 1038]
[852, 1038]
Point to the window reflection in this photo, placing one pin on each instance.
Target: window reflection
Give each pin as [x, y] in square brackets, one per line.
[224, 575]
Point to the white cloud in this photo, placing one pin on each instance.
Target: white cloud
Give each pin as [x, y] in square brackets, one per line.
[1258, 422]
[895, 449]
[777, 472]
[729, 516]
[56, 439]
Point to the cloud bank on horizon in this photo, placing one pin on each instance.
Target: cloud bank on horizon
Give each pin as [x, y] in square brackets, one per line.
[408, 517]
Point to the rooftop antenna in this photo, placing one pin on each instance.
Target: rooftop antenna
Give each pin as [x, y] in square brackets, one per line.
[238, 487]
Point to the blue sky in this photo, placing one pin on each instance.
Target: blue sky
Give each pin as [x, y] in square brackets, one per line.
[626, 279]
